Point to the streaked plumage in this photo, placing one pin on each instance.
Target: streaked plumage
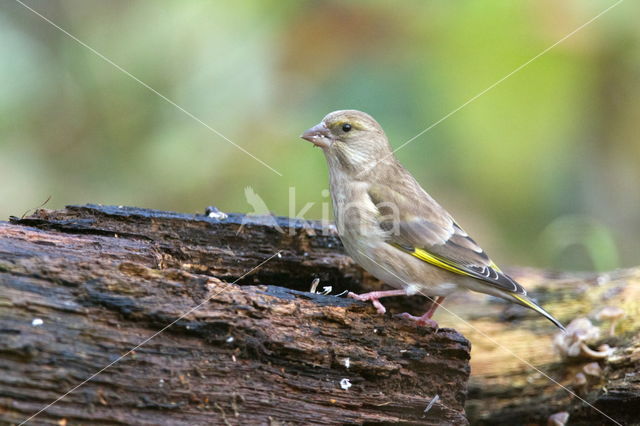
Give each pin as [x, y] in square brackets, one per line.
[392, 227]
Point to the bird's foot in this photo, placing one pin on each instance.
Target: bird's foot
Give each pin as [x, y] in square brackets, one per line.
[423, 320]
[373, 296]
[365, 297]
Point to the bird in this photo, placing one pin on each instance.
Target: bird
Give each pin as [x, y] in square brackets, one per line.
[394, 229]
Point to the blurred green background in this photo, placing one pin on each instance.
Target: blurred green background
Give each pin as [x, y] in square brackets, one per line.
[543, 169]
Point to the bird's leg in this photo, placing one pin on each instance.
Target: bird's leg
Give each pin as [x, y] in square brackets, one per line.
[425, 319]
[375, 295]
[435, 305]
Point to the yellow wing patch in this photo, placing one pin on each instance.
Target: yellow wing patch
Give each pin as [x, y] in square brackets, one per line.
[434, 260]
[494, 266]
[490, 274]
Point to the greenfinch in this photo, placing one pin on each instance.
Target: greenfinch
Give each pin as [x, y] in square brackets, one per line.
[394, 229]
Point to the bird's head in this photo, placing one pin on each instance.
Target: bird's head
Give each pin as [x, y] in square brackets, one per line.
[350, 139]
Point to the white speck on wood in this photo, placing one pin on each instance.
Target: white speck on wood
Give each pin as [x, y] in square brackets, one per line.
[314, 285]
[345, 384]
[431, 403]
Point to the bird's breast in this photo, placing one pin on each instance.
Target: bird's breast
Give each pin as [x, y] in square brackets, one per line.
[356, 216]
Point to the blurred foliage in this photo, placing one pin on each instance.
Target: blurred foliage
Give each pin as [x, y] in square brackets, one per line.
[543, 169]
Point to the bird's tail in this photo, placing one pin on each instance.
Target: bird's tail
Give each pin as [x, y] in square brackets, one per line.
[525, 301]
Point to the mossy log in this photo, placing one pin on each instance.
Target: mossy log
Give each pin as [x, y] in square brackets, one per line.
[518, 375]
[102, 279]
[90, 287]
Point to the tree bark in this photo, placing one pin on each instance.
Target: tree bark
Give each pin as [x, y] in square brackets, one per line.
[266, 350]
[517, 373]
[145, 317]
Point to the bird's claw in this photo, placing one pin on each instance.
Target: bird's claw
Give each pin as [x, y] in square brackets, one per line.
[353, 295]
[422, 321]
[366, 297]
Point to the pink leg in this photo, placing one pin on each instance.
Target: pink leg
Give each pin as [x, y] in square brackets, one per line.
[375, 295]
[425, 319]
[436, 303]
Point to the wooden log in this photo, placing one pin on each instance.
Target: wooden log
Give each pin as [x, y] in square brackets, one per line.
[518, 375]
[81, 287]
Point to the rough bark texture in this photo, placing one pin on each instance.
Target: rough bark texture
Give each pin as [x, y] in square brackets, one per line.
[82, 286]
[513, 351]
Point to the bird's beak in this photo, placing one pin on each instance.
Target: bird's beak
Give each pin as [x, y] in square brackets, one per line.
[319, 135]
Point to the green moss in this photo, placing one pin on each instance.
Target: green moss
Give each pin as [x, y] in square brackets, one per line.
[6, 266]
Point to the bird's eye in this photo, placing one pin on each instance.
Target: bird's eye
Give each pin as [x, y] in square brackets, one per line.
[346, 127]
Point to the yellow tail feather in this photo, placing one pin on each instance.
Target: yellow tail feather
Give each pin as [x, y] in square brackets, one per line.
[529, 304]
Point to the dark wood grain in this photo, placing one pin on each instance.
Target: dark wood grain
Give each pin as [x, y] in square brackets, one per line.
[261, 351]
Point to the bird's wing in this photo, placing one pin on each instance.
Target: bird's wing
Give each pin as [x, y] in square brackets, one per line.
[418, 225]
